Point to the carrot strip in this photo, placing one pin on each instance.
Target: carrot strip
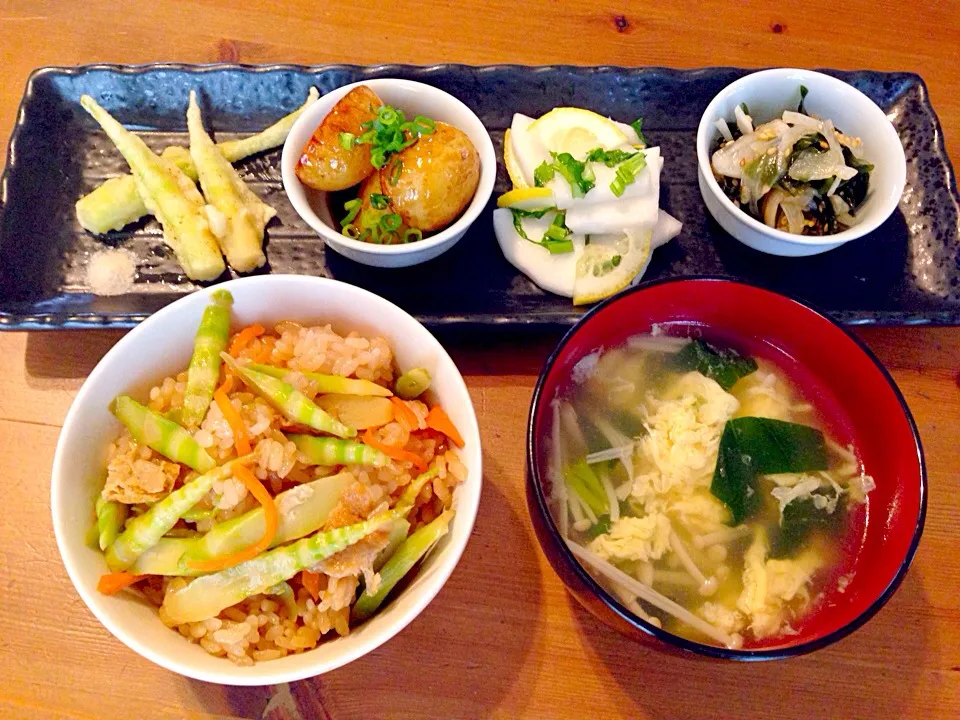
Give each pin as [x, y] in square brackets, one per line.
[437, 419]
[243, 338]
[396, 453]
[404, 415]
[112, 583]
[311, 581]
[232, 416]
[271, 523]
[227, 384]
[263, 357]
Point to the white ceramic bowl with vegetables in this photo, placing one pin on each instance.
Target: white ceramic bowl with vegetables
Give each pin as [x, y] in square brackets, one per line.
[795, 180]
[166, 437]
[389, 172]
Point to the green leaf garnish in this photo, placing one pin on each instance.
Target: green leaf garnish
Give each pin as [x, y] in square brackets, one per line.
[543, 174]
[753, 446]
[637, 125]
[576, 173]
[610, 158]
[555, 239]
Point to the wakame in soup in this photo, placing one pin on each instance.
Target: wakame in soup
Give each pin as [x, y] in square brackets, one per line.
[701, 488]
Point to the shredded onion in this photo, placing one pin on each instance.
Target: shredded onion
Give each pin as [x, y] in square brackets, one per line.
[800, 120]
[833, 187]
[793, 207]
[842, 210]
[724, 129]
[744, 121]
[771, 204]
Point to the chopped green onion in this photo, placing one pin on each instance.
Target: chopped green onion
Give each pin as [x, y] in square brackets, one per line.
[395, 172]
[379, 201]
[426, 125]
[627, 173]
[390, 222]
[378, 157]
[388, 133]
[387, 115]
[351, 231]
[412, 235]
[555, 233]
[352, 207]
[637, 125]
[615, 260]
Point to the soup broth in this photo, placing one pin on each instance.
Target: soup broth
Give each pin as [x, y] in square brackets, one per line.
[703, 488]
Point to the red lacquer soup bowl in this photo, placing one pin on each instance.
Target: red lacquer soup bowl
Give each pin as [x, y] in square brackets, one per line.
[856, 395]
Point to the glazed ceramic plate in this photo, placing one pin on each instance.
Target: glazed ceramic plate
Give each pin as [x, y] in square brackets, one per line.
[905, 273]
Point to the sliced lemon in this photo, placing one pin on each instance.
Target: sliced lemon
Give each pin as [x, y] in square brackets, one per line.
[577, 131]
[609, 264]
[510, 160]
[527, 198]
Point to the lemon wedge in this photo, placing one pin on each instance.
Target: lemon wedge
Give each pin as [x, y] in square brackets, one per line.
[527, 198]
[577, 131]
[513, 166]
[609, 264]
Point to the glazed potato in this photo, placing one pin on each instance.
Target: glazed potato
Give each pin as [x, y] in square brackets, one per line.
[438, 178]
[325, 164]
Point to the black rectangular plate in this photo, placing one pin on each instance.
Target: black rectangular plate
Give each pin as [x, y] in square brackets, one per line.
[905, 273]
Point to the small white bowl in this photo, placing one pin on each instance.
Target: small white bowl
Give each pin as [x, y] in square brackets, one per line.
[768, 93]
[414, 99]
[157, 348]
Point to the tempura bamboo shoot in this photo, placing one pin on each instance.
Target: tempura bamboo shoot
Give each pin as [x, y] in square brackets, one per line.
[170, 195]
[245, 214]
[116, 202]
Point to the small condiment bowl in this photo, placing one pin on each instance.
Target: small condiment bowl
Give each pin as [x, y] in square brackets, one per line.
[413, 98]
[159, 347]
[767, 94]
[884, 432]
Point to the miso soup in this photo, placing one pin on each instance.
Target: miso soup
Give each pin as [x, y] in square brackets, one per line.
[703, 487]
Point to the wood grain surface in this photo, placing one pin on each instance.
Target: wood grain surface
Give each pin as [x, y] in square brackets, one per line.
[503, 638]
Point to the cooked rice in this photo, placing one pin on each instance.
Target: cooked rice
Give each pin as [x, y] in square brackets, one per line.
[262, 627]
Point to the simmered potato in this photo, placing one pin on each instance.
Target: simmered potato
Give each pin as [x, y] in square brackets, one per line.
[438, 177]
[325, 164]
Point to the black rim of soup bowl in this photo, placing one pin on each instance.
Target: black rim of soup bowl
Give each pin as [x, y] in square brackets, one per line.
[562, 555]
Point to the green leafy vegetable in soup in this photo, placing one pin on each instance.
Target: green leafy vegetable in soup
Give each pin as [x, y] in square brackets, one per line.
[700, 487]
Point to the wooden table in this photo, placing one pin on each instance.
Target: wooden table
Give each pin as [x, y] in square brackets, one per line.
[503, 638]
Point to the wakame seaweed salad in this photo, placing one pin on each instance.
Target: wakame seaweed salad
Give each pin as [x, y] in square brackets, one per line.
[796, 173]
